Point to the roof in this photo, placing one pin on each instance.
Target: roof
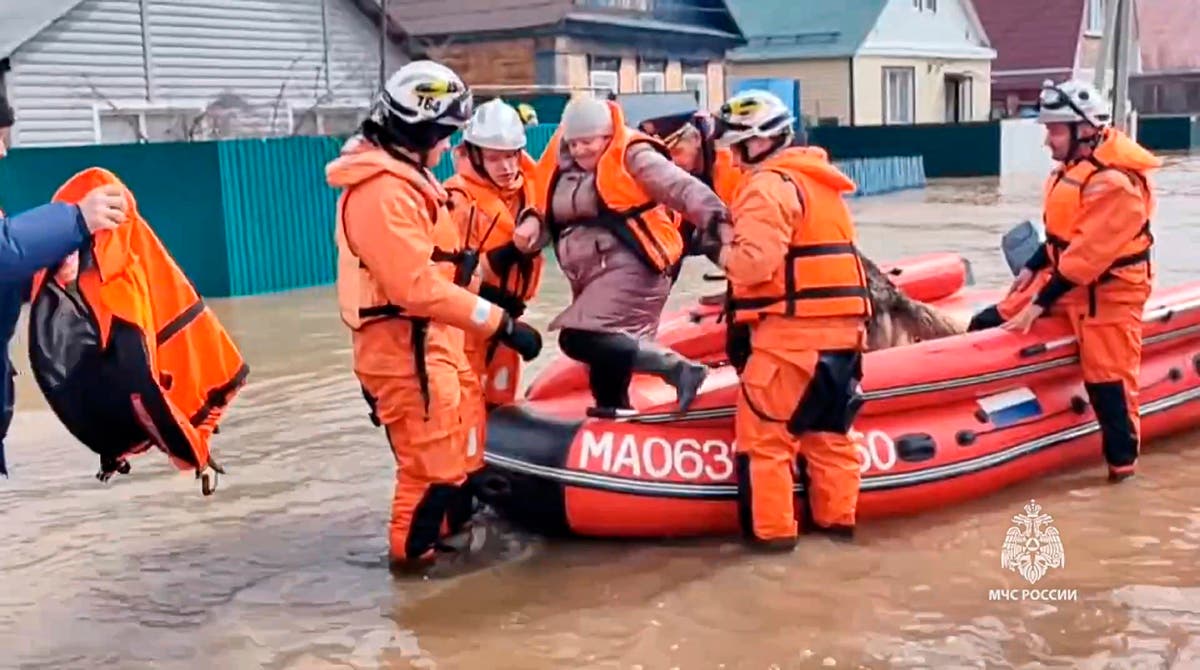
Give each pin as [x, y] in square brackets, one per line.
[24, 19]
[1033, 34]
[791, 29]
[1167, 30]
[459, 17]
[447, 17]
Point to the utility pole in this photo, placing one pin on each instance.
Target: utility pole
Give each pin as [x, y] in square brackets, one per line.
[1121, 67]
[383, 42]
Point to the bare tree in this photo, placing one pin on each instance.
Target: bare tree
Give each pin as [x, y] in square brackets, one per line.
[97, 94]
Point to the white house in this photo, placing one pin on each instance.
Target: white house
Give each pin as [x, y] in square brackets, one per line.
[116, 71]
[870, 62]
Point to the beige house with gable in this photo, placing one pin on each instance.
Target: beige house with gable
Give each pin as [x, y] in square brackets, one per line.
[870, 62]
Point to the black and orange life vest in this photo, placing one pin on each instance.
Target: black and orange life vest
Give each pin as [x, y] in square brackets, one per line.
[646, 227]
[1064, 198]
[128, 355]
[822, 274]
[491, 224]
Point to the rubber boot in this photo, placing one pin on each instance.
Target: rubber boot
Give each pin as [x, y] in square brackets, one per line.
[686, 376]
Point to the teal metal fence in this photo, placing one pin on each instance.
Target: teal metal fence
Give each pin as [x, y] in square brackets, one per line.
[244, 217]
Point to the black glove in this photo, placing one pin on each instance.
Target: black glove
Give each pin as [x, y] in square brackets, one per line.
[520, 337]
[717, 233]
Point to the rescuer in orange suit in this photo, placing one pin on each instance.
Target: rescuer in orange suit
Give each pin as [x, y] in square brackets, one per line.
[400, 290]
[1095, 268]
[796, 281]
[494, 188]
[689, 137]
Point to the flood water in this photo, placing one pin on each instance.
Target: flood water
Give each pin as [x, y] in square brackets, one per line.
[281, 569]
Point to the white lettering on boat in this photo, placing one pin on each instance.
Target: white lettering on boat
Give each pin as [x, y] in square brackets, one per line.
[653, 457]
[876, 450]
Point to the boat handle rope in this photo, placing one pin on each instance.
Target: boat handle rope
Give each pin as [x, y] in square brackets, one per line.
[1160, 315]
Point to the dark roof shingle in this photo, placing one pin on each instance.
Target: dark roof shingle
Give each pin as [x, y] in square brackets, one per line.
[1167, 32]
[1032, 34]
[449, 17]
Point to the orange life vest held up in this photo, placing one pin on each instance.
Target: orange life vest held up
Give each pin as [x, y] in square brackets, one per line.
[822, 275]
[1064, 210]
[646, 227]
[129, 356]
[491, 223]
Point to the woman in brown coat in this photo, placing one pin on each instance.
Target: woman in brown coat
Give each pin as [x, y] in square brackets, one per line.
[607, 190]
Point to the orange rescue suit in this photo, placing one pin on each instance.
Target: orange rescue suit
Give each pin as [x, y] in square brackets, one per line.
[1095, 270]
[646, 227]
[486, 218]
[797, 281]
[397, 294]
[129, 356]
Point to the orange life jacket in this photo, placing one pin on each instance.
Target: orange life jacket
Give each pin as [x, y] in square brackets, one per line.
[725, 176]
[719, 174]
[521, 281]
[130, 356]
[822, 274]
[360, 297]
[1064, 207]
[646, 227]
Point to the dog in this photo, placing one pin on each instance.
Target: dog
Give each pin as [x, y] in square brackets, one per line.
[897, 320]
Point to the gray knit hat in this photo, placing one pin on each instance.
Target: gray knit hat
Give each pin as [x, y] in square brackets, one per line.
[586, 116]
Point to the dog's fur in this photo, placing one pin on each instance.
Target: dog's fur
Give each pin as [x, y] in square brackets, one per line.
[897, 320]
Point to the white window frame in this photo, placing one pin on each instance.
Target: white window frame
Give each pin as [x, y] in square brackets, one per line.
[1094, 18]
[609, 79]
[701, 82]
[140, 108]
[657, 81]
[910, 74]
[298, 111]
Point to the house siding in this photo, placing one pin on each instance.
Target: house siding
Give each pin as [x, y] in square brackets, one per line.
[267, 60]
[94, 53]
[510, 62]
[929, 85]
[824, 84]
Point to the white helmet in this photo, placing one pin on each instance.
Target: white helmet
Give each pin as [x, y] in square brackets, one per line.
[423, 92]
[752, 113]
[496, 125]
[1073, 101]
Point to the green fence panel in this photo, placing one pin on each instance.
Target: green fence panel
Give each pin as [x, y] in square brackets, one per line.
[245, 217]
[177, 187]
[278, 213]
[948, 150]
[1166, 133]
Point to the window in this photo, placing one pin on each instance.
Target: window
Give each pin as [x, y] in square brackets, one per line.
[150, 124]
[605, 79]
[327, 121]
[931, 5]
[1095, 17]
[898, 95]
[652, 76]
[697, 84]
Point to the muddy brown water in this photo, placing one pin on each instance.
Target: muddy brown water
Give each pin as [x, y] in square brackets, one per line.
[280, 569]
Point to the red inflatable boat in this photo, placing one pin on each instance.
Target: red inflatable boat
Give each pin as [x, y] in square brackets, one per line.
[945, 421]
